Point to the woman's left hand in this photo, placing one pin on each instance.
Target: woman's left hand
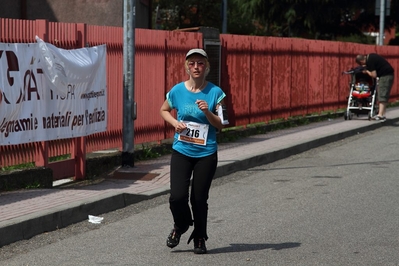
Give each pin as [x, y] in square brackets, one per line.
[202, 105]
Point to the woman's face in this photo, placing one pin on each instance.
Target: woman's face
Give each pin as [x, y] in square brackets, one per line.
[196, 66]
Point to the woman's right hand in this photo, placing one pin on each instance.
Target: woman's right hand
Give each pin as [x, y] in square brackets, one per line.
[180, 126]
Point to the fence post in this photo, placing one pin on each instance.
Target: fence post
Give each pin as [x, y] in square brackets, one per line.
[79, 144]
[42, 147]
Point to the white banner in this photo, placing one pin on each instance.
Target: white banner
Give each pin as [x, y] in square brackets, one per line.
[48, 93]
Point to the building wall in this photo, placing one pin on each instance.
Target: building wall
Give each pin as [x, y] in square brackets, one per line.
[91, 12]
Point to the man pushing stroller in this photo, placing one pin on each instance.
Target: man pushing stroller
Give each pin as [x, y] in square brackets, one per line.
[377, 66]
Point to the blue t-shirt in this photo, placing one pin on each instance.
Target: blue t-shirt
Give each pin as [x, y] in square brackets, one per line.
[183, 100]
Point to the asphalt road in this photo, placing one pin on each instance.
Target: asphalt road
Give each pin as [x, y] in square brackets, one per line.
[334, 205]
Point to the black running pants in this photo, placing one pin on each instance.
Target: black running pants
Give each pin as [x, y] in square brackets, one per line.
[202, 171]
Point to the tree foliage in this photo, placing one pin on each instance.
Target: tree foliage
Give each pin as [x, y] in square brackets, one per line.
[177, 14]
[312, 19]
[315, 19]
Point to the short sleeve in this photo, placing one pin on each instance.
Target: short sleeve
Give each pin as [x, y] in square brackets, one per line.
[221, 96]
[169, 99]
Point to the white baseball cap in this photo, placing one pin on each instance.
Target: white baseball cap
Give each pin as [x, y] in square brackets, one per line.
[197, 51]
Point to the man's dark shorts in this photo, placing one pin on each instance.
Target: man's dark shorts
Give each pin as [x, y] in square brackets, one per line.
[384, 87]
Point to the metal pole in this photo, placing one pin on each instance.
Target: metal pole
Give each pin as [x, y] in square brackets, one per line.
[129, 15]
[224, 26]
[382, 22]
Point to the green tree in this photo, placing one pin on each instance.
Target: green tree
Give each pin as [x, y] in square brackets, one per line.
[314, 19]
[178, 14]
[237, 23]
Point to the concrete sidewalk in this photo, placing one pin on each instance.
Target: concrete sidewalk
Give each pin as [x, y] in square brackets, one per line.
[26, 213]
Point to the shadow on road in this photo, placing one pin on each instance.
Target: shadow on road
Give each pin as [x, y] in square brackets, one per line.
[248, 247]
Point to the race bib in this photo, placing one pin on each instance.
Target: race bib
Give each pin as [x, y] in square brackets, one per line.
[195, 133]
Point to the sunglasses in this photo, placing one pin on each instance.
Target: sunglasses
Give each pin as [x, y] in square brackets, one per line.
[199, 63]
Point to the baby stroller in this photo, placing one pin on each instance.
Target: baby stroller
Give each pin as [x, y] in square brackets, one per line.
[362, 94]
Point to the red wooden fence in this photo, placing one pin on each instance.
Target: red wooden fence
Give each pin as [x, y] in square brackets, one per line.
[265, 78]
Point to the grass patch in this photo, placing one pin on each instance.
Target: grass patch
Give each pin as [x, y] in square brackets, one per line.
[32, 164]
[393, 104]
[33, 185]
[147, 153]
[18, 166]
[59, 158]
[235, 133]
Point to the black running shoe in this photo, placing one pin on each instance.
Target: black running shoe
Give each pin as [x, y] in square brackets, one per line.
[174, 237]
[199, 246]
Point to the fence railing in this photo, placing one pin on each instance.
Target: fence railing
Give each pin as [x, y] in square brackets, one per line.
[265, 78]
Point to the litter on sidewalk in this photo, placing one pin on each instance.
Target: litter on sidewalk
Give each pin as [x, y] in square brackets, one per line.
[95, 219]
